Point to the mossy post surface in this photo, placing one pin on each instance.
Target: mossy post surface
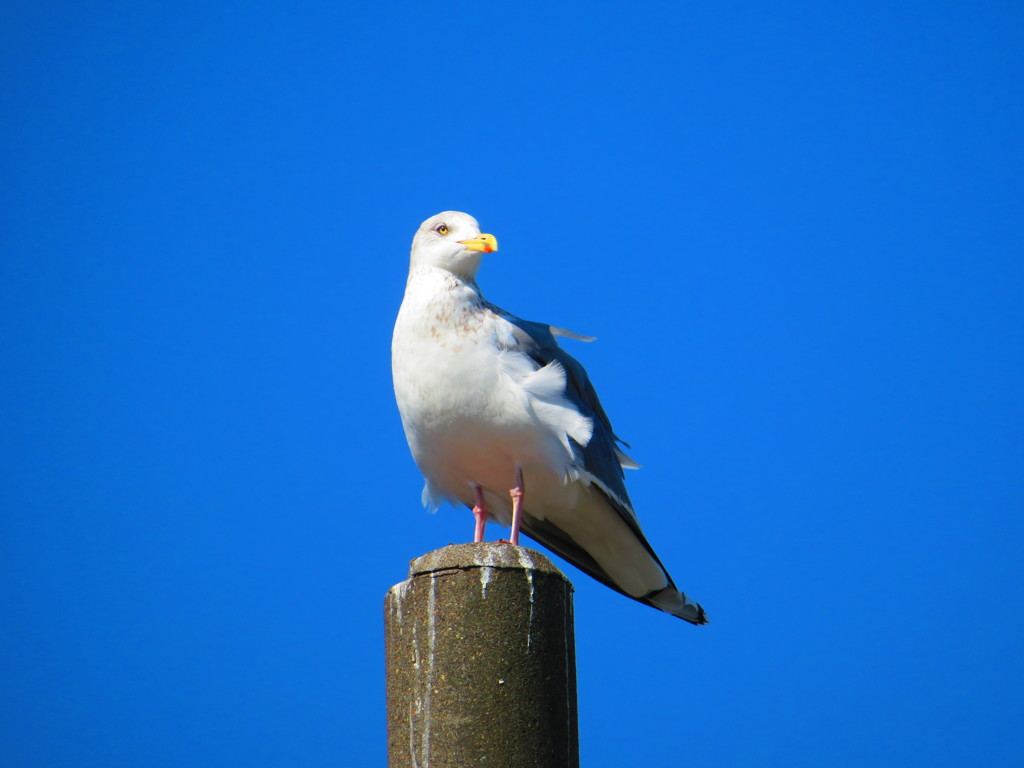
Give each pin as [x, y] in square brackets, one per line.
[481, 666]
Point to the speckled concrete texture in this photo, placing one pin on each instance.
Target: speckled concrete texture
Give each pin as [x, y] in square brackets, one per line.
[481, 667]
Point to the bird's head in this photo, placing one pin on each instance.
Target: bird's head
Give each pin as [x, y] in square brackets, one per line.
[452, 241]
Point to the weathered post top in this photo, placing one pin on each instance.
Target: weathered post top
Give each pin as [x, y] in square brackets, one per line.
[481, 661]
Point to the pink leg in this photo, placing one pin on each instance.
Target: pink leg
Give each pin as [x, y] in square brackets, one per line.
[480, 513]
[517, 506]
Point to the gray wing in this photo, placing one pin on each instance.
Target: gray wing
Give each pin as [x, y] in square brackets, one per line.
[601, 456]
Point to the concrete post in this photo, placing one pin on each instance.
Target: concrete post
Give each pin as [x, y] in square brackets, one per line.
[481, 666]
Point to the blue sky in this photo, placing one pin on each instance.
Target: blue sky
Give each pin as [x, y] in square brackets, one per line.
[796, 231]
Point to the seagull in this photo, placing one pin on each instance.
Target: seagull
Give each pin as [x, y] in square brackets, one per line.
[503, 420]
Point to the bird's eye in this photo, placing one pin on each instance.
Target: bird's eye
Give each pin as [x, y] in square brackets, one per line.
[442, 229]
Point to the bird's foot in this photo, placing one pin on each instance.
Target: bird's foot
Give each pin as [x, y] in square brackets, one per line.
[480, 513]
[517, 508]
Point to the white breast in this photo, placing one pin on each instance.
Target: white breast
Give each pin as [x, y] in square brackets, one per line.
[472, 413]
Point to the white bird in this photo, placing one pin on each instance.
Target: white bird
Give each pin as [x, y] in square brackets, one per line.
[501, 419]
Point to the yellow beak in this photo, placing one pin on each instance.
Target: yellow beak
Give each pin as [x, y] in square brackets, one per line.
[485, 243]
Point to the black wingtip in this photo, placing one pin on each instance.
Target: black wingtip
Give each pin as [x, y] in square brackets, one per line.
[701, 618]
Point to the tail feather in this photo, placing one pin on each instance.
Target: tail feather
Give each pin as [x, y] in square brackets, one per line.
[671, 600]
